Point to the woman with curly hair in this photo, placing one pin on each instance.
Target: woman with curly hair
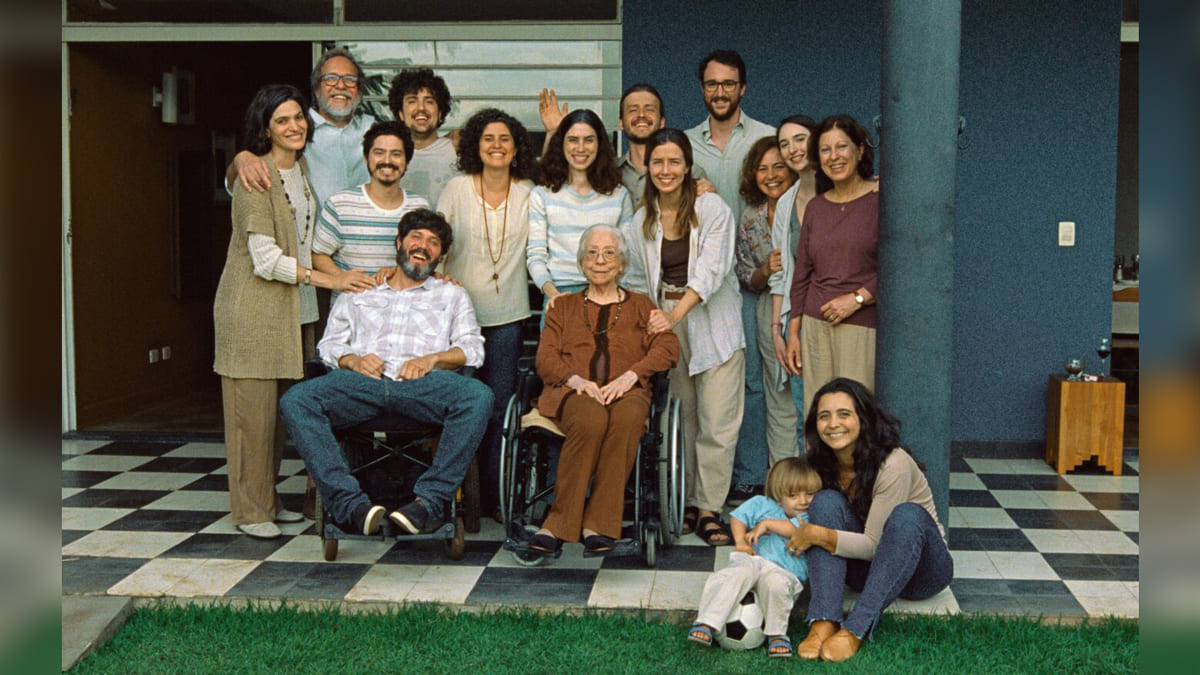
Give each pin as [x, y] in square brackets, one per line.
[874, 526]
[579, 186]
[487, 206]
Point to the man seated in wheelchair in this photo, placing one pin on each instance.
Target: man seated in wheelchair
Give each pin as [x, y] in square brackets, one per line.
[394, 350]
[596, 356]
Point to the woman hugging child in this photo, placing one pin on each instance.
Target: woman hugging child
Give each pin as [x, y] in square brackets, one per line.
[761, 528]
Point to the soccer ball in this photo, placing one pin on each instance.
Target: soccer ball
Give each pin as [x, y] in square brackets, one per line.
[744, 626]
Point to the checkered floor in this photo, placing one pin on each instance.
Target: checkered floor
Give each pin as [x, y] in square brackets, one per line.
[152, 519]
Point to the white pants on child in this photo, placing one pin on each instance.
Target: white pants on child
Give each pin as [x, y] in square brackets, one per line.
[775, 587]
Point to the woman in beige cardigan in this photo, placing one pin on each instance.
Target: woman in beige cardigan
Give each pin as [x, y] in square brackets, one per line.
[264, 296]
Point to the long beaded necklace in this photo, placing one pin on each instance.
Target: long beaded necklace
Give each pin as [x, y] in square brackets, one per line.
[487, 233]
[616, 315]
[309, 206]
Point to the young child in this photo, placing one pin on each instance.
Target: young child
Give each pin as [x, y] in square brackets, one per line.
[761, 528]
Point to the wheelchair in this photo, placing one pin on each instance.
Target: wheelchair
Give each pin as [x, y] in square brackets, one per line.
[386, 456]
[654, 495]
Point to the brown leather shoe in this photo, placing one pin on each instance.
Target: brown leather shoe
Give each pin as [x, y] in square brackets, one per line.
[841, 646]
[810, 647]
[310, 500]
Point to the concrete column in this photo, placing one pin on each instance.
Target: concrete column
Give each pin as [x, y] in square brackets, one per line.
[918, 163]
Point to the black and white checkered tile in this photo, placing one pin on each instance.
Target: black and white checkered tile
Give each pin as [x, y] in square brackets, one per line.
[152, 519]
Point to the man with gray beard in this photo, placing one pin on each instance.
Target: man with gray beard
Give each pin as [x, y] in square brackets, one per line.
[394, 349]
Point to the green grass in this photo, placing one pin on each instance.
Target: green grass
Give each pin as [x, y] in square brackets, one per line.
[424, 639]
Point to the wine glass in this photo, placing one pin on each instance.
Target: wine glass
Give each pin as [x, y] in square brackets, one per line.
[1074, 367]
[1103, 350]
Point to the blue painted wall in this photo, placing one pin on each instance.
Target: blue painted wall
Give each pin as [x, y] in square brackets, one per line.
[1039, 81]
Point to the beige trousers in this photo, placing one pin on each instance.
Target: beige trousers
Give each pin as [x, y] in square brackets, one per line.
[828, 351]
[254, 435]
[712, 404]
[775, 589]
[781, 407]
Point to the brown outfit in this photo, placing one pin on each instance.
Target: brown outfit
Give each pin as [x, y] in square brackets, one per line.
[599, 439]
[258, 343]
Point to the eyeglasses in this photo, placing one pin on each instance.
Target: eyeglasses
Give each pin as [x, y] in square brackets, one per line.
[331, 80]
[728, 85]
[601, 254]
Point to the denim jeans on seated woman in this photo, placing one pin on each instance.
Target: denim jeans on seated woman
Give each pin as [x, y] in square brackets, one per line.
[911, 561]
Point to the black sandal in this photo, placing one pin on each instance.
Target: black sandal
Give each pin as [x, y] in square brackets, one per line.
[596, 544]
[706, 534]
[690, 514]
[545, 543]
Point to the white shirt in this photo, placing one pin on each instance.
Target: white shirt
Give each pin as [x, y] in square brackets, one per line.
[335, 154]
[430, 169]
[398, 326]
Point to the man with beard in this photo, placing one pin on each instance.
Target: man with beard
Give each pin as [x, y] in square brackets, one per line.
[337, 130]
[394, 349]
[642, 114]
[721, 142]
[357, 227]
[421, 100]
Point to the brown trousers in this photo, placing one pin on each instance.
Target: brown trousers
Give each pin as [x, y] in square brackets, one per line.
[600, 440]
[254, 435]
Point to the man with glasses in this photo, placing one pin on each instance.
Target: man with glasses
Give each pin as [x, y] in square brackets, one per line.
[721, 142]
[719, 145]
[334, 155]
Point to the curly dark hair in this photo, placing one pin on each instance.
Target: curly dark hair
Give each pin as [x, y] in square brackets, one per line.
[748, 187]
[412, 81]
[602, 175]
[469, 162]
[858, 135]
[389, 128]
[258, 116]
[879, 435]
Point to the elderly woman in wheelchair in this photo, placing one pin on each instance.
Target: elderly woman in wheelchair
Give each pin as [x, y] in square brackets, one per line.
[596, 359]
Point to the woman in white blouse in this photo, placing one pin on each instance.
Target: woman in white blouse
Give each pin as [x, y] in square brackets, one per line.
[487, 206]
[686, 254]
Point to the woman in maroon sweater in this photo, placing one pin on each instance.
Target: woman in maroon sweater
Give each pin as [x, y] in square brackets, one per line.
[833, 319]
[596, 357]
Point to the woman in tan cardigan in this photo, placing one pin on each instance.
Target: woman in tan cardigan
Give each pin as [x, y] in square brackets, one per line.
[596, 358]
[258, 309]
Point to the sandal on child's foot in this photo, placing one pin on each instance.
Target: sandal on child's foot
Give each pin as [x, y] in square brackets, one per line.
[701, 634]
[779, 646]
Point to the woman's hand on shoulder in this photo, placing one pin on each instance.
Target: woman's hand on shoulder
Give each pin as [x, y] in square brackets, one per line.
[383, 274]
[660, 321]
[353, 281]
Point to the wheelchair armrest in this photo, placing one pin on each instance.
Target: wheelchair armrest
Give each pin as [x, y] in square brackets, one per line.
[314, 368]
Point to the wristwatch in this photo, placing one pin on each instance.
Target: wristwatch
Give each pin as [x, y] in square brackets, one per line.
[858, 297]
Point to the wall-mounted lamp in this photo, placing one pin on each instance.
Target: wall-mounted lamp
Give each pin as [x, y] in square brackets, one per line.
[176, 97]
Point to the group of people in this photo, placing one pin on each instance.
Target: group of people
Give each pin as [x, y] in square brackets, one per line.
[739, 257]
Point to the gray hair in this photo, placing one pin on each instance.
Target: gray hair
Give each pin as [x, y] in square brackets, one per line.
[314, 79]
[581, 252]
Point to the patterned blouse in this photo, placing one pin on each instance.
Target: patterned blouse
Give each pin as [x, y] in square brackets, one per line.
[753, 245]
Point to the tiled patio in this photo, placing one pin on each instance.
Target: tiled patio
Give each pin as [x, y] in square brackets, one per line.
[151, 519]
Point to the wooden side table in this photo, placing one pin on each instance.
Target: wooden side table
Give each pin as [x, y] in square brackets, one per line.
[1083, 420]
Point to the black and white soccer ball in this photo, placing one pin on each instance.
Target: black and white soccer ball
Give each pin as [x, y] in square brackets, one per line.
[744, 626]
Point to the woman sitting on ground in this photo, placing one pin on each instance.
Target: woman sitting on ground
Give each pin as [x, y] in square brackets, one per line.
[874, 526]
[596, 357]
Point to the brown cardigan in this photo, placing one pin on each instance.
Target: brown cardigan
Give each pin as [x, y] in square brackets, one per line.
[567, 347]
[257, 321]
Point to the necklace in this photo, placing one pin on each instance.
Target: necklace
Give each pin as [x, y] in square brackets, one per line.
[487, 233]
[308, 205]
[616, 315]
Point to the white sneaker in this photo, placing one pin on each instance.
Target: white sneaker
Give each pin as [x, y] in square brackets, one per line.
[288, 516]
[261, 530]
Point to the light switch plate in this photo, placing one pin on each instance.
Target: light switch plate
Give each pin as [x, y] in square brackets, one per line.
[1066, 233]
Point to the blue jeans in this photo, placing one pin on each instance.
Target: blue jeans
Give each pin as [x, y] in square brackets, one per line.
[343, 398]
[502, 351]
[750, 457]
[911, 562]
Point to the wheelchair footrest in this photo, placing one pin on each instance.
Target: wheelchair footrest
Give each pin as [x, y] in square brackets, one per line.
[522, 548]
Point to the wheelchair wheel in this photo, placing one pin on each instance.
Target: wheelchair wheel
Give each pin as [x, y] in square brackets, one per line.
[671, 489]
[650, 544]
[528, 559]
[456, 546]
[508, 446]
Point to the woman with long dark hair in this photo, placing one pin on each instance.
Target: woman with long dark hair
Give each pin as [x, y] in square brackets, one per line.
[836, 277]
[685, 252]
[579, 186]
[874, 526]
[487, 206]
[264, 296]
